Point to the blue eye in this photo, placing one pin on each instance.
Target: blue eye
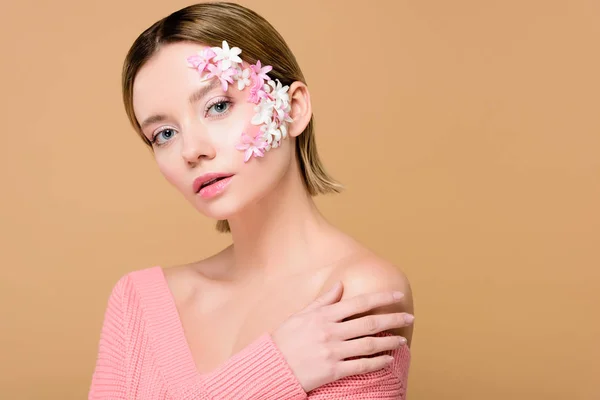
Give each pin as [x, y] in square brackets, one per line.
[166, 134]
[218, 108]
[221, 107]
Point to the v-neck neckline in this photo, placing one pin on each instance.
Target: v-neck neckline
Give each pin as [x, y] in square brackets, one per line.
[168, 336]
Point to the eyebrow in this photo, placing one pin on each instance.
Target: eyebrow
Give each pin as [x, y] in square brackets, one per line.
[194, 97]
[204, 90]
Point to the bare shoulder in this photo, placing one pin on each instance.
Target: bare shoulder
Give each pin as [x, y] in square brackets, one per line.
[371, 273]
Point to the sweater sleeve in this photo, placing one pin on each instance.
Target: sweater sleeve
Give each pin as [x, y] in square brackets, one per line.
[388, 383]
[258, 372]
[109, 377]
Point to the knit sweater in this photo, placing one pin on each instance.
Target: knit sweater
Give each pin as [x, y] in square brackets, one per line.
[143, 354]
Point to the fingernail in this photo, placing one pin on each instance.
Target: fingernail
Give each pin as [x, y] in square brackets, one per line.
[398, 295]
[402, 340]
[409, 318]
[390, 359]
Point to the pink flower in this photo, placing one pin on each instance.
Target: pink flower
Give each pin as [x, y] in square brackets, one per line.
[252, 146]
[256, 90]
[259, 76]
[201, 60]
[226, 76]
[261, 72]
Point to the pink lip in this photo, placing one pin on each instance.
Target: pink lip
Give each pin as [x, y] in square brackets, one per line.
[212, 189]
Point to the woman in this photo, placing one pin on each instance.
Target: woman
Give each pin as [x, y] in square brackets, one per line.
[294, 308]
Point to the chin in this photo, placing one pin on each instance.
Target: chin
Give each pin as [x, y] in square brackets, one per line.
[223, 207]
[233, 201]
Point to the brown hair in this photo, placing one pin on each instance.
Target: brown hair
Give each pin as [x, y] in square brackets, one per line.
[209, 24]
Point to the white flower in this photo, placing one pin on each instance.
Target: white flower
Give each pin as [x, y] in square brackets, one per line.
[238, 71]
[283, 130]
[272, 129]
[266, 88]
[273, 134]
[266, 137]
[278, 88]
[280, 94]
[227, 55]
[264, 112]
[244, 79]
[265, 134]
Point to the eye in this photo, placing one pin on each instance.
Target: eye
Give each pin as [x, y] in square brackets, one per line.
[218, 108]
[163, 136]
[221, 107]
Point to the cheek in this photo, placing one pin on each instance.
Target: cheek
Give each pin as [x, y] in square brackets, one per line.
[234, 137]
[251, 130]
[170, 172]
[247, 126]
[229, 131]
[261, 174]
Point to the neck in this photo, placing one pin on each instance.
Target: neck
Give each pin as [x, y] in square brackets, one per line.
[284, 233]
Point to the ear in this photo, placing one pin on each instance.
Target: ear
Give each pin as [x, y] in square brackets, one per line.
[301, 108]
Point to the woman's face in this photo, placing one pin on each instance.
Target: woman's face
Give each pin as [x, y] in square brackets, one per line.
[194, 127]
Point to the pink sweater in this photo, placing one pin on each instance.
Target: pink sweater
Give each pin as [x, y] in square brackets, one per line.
[143, 354]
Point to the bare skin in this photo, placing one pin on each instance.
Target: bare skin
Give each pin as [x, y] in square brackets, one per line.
[221, 314]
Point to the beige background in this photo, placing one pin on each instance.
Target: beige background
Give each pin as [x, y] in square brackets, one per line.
[467, 133]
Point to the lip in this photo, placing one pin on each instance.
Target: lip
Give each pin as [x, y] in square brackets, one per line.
[199, 181]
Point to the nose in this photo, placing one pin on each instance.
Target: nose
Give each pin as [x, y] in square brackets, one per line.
[195, 148]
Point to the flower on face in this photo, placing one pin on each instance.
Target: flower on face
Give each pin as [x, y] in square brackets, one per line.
[279, 94]
[272, 109]
[273, 133]
[225, 76]
[264, 112]
[201, 60]
[272, 129]
[272, 112]
[252, 146]
[256, 90]
[243, 79]
[287, 117]
[259, 76]
[283, 130]
[266, 137]
[261, 72]
[256, 94]
[227, 56]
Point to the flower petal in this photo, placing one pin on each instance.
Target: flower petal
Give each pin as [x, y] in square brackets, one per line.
[258, 152]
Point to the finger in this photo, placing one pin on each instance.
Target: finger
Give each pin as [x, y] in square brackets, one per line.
[360, 304]
[371, 324]
[367, 346]
[333, 295]
[361, 366]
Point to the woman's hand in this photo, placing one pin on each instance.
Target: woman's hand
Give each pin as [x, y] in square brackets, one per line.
[315, 341]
